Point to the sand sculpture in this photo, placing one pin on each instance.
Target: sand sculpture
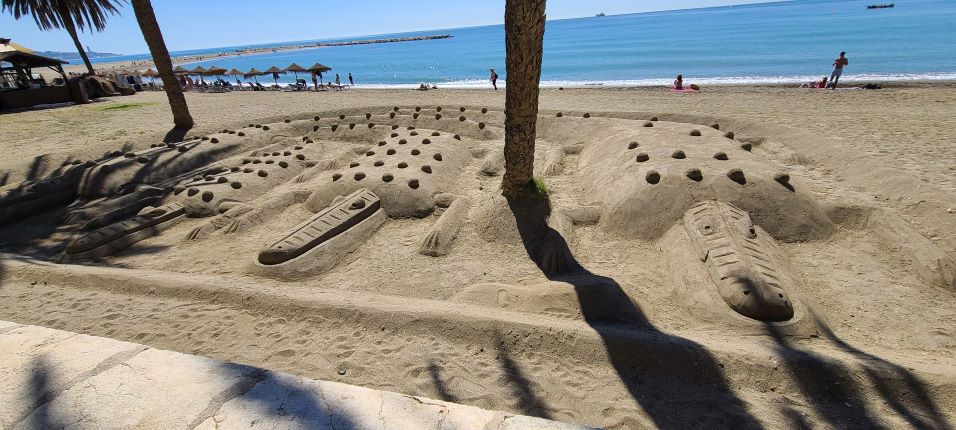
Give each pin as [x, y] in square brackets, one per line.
[715, 206]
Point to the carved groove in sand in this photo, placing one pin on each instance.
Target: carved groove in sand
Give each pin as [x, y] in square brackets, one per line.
[398, 169]
[331, 222]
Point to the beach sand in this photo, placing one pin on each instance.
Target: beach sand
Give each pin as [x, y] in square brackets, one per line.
[862, 245]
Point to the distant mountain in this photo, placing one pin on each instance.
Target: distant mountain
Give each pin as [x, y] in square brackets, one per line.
[74, 56]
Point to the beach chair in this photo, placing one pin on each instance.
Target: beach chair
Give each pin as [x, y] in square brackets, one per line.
[299, 85]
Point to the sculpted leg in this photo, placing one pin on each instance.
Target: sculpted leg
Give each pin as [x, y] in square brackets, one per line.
[441, 236]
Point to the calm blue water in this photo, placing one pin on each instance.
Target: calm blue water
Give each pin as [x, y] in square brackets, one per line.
[775, 42]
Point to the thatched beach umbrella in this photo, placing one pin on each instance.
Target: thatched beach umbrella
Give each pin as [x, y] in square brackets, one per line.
[319, 68]
[198, 70]
[275, 73]
[236, 73]
[254, 73]
[215, 71]
[151, 74]
[295, 69]
[180, 70]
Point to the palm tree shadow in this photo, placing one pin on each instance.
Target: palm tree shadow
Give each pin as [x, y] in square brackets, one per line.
[40, 391]
[650, 363]
[444, 392]
[836, 387]
[284, 400]
[521, 387]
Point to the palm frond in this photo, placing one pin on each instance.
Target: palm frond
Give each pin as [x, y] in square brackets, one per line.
[52, 14]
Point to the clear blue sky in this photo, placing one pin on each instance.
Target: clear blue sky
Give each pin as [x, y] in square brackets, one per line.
[190, 24]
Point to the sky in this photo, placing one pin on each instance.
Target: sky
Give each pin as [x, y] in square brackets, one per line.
[190, 24]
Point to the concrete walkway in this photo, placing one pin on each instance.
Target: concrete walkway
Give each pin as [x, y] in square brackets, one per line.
[54, 379]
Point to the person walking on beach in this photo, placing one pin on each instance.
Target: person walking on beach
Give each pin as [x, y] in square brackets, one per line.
[338, 81]
[494, 79]
[351, 82]
[315, 79]
[838, 69]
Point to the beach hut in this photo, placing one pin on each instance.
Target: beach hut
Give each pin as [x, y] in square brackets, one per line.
[319, 68]
[235, 73]
[295, 69]
[252, 73]
[275, 73]
[20, 87]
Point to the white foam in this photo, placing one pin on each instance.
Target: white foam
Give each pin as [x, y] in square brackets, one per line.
[657, 82]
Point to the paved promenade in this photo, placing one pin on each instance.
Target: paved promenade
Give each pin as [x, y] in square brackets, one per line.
[55, 379]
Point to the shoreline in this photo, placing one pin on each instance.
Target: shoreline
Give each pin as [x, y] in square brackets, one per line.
[898, 79]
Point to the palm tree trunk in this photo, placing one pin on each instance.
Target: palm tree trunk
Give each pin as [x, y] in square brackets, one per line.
[71, 28]
[524, 35]
[164, 65]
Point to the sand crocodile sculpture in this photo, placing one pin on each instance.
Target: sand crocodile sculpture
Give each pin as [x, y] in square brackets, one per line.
[716, 207]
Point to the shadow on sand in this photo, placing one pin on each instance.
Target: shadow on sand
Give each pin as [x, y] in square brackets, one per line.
[683, 386]
[652, 374]
[837, 389]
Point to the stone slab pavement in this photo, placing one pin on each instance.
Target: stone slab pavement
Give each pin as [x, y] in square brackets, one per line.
[53, 379]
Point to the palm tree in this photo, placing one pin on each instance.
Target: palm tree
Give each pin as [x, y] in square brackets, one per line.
[66, 14]
[164, 65]
[524, 35]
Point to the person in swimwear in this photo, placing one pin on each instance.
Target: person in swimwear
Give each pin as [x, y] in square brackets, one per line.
[679, 83]
[838, 69]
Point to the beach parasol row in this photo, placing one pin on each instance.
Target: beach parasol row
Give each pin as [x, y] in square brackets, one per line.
[251, 73]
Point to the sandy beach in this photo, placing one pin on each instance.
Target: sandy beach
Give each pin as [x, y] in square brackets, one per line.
[905, 125]
[860, 234]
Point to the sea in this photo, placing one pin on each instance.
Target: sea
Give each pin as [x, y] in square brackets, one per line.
[781, 42]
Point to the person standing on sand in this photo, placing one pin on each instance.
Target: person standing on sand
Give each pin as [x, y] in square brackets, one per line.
[351, 82]
[494, 79]
[315, 79]
[838, 69]
[338, 81]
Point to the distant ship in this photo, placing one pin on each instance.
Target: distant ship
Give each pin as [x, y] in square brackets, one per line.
[881, 6]
[600, 14]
